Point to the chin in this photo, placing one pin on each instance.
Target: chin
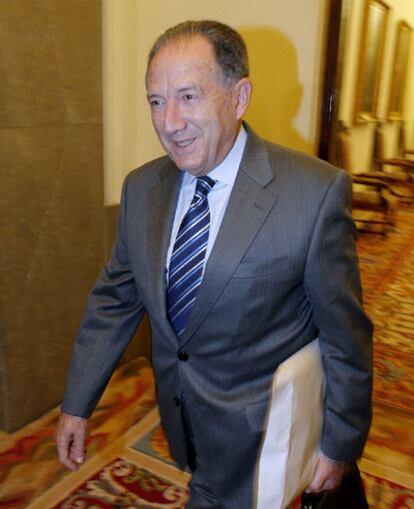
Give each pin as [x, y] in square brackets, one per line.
[185, 165]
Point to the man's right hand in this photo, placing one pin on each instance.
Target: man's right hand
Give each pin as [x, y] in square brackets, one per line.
[70, 440]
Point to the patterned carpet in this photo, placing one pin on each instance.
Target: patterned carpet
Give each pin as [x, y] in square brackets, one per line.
[122, 483]
[28, 462]
[394, 377]
[387, 270]
[382, 494]
[128, 463]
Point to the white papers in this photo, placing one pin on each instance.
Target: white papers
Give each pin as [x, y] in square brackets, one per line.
[290, 445]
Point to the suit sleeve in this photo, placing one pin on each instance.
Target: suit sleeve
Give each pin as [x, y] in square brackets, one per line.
[113, 312]
[333, 286]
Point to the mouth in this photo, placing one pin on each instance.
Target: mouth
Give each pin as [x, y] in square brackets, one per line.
[183, 144]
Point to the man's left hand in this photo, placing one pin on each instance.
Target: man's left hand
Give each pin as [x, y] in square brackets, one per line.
[328, 475]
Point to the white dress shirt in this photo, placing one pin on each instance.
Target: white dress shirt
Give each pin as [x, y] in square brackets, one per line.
[224, 174]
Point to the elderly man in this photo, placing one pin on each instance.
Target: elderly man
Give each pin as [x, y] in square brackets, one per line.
[241, 252]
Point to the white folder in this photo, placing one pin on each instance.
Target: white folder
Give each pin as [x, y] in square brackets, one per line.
[290, 445]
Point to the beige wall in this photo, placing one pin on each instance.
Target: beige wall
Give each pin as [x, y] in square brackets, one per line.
[52, 215]
[284, 39]
[363, 134]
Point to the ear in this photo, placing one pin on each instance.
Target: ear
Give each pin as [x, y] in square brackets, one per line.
[242, 92]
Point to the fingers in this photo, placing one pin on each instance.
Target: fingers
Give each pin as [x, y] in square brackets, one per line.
[70, 440]
[328, 475]
[77, 449]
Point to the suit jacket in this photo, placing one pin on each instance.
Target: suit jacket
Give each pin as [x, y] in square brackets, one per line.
[283, 270]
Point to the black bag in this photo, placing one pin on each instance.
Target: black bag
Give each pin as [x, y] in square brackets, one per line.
[349, 495]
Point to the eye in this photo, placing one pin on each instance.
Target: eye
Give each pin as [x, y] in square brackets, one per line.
[189, 97]
[154, 102]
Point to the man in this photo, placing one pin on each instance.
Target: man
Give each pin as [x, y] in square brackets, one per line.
[241, 252]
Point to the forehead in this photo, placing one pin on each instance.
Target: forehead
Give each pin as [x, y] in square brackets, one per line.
[179, 57]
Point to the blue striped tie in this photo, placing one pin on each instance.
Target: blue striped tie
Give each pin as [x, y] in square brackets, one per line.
[187, 259]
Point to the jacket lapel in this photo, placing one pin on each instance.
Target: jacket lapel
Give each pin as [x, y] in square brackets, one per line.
[163, 198]
[248, 207]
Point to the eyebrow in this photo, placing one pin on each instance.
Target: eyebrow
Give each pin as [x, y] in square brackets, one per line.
[187, 87]
[183, 89]
[190, 88]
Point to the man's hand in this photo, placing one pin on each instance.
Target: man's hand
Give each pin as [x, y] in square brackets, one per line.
[328, 475]
[70, 440]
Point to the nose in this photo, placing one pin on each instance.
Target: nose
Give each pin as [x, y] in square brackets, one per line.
[173, 119]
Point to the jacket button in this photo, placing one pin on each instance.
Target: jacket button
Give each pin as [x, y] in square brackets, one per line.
[182, 356]
[177, 401]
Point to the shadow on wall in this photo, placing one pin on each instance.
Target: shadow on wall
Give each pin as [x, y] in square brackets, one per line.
[277, 93]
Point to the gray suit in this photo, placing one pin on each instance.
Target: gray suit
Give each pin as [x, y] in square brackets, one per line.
[282, 271]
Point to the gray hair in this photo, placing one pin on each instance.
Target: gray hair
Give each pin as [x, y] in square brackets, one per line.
[228, 46]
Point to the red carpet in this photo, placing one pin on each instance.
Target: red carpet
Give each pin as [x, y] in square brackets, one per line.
[122, 484]
[382, 494]
[394, 379]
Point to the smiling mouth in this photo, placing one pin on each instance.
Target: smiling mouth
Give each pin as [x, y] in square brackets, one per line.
[184, 143]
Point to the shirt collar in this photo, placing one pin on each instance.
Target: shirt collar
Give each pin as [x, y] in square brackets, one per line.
[226, 171]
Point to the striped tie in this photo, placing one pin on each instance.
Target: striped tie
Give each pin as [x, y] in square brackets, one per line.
[187, 259]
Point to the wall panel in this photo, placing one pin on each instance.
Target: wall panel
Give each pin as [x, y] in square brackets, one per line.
[52, 214]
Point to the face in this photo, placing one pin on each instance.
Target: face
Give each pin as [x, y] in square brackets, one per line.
[195, 115]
